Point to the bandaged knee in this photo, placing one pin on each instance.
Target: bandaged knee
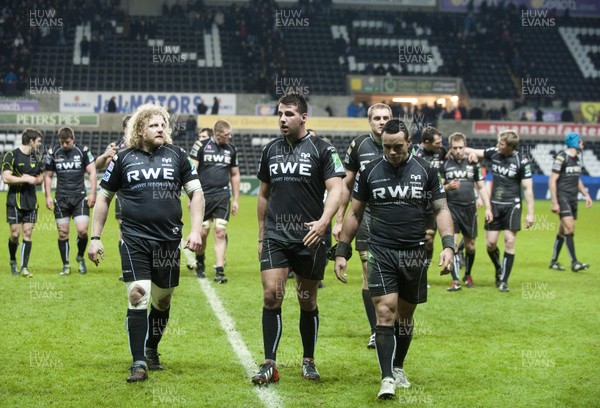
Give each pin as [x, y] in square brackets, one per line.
[139, 286]
[159, 294]
[221, 223]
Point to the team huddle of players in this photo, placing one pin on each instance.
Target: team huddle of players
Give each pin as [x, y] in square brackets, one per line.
[400, 194]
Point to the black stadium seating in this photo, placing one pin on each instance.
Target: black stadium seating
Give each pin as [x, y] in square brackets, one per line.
[321, 54]
[311, 55]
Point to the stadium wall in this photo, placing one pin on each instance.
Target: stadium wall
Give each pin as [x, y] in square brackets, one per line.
[246, 104]
[111, 122]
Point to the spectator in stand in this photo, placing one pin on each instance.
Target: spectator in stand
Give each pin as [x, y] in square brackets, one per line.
[219, 18]
[539, 115]
[112, 105]
[190, 127]
[503, 112]
[84, 44]
[380, 70]
[353, 109]
[102, 47]
[202, 108]
[476, 113]
[94, 48]
[215, 107]
[567, 115]
[362, 112]
[10, 83]
[493, 114]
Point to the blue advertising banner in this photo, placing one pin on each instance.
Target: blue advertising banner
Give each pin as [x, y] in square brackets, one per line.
[18, 106]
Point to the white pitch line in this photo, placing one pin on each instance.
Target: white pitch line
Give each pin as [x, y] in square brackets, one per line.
[267, 395]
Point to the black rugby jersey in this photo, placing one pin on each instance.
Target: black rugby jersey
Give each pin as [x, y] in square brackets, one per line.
[468, 174]
[149, 185]
[507, 172]
[569, 170]
[398, 197]
[296, 173]
[435, 159]
[362, 150]
[22, 196]
[214, 165]
[69, 166]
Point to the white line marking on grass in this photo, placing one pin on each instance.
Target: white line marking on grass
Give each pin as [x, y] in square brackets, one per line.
[268, 396]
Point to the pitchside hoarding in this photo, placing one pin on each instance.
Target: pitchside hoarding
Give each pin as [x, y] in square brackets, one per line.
[535, 128]
[178, 103]
[18, 106]
[591, 111]
[48, 119]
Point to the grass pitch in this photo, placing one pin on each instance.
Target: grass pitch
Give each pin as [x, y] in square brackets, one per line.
[64, 340]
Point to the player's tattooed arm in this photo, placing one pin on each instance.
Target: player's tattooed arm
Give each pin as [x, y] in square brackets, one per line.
[439, 205]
